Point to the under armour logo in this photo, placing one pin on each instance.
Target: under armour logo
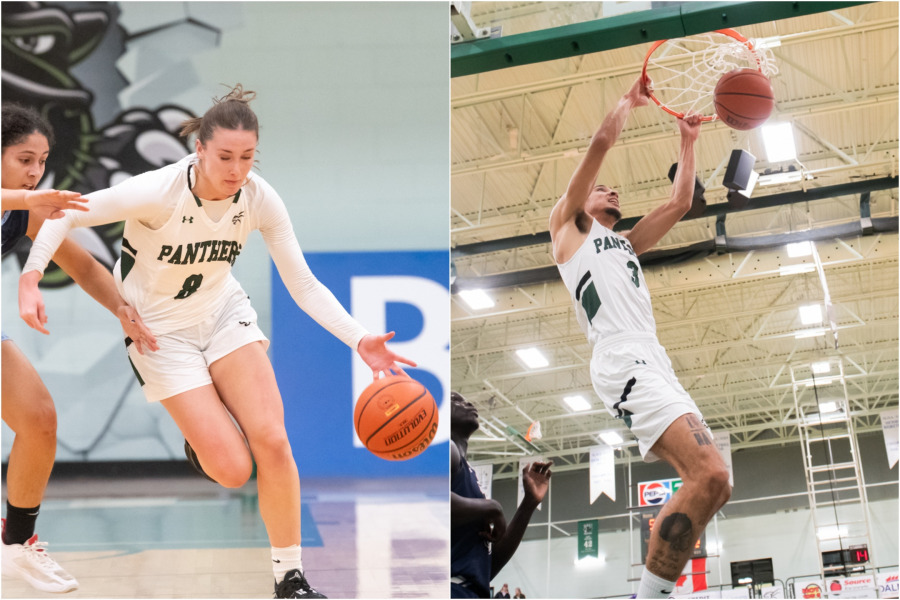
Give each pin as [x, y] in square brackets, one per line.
[245, 323]
[187, 219]
[237, 218]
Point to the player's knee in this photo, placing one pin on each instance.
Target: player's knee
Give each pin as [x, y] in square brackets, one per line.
[272, 447]
[230, 469]
[41, 421]
[717, 483]
[234, 475]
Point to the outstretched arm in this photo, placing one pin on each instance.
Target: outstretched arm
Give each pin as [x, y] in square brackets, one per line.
[314, 298]
[50, 242]
[44, 204]
[536, 481]
[650, 229]
[572, 203]
[93, 278]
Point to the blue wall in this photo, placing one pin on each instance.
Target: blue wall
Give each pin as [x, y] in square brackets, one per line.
[320, 377]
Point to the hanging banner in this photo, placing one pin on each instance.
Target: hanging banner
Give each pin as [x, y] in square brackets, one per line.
[722, 440]
[603, 472]
[889, 428]
[485, 476]
[587, 539]
[523, 462]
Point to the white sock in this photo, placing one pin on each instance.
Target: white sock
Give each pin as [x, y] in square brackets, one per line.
[285, 559]
[652, 586]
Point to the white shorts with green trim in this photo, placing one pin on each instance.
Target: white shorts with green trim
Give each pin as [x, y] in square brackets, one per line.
[182, 361]
[633, 376]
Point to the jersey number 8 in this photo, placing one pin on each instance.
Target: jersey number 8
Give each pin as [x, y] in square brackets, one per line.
[190, 285]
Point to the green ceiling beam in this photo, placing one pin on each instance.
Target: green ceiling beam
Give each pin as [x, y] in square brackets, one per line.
[629, 29]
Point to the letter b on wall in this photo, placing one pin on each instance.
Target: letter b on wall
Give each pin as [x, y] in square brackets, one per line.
[320, 378]
[429, 348]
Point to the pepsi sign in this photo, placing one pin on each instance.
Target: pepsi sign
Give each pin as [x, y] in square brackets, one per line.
[656, 493]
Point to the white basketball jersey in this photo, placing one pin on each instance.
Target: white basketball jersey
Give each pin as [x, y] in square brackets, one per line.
[607, 286]
[179, 273]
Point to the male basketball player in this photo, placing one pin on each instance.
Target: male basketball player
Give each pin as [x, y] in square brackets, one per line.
[481, 541]
[629, 368]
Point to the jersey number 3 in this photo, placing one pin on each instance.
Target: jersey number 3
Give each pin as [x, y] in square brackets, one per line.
[190, 285]
[586, 292]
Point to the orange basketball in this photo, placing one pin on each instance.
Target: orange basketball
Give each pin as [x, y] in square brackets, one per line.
[744, 98]
[396, 417]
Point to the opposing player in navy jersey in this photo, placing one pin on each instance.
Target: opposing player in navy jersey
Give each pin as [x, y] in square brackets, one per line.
[185, 225]
[630, 370]
[481, 541]
[28, 408]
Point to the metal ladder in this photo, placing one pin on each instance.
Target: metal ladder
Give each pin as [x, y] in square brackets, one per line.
[837, 494]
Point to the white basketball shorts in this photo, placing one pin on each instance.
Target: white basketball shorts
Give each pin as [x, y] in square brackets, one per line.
[634, 377]
[182, 361]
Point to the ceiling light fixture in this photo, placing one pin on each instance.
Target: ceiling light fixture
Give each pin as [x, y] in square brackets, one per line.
[811, 314]
[533, 358]
[821, 367]
[577, 403]
[611, 438]
[778, 141]
[477, 299]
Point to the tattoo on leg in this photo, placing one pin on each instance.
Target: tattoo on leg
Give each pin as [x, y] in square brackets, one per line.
[699, 430]
[677, 529]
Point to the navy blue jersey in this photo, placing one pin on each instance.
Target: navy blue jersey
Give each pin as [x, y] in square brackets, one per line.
[470, 556]
[15, 224]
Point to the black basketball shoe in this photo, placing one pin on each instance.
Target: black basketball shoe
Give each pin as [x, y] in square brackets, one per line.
[294, 585]
[195, 462]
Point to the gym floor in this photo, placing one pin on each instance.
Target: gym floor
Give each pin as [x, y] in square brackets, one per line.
[185, 537]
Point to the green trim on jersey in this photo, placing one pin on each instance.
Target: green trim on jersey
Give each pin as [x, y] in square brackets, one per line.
[127, 260]
[127, 264]
[136, 374]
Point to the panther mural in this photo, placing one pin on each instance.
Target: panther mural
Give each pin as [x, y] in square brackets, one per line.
[42, 43]
[79, 65]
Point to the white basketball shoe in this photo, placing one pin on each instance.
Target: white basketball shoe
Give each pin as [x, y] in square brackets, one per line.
[31, 562]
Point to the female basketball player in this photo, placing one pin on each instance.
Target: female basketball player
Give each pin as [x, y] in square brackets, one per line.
[185, 224]
[27, 406]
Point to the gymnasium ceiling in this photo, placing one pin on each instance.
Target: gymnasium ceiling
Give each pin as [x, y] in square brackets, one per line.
[728, 318]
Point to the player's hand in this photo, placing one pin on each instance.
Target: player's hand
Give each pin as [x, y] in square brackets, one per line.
[639, 94]
[689, 126]
[375, 353]
[494, 523]
[31, 303]
[52, 204]
[134, 328]
[536, 480]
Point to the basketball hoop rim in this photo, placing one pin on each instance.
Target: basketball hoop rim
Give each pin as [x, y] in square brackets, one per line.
[680, 115]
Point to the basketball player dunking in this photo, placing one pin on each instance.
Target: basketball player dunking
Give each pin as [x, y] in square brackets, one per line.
[629, 368]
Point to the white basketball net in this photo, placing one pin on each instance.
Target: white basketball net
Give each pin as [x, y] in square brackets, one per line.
[685, 71]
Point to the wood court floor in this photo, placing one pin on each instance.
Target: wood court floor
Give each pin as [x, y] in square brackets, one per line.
[187, 538]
